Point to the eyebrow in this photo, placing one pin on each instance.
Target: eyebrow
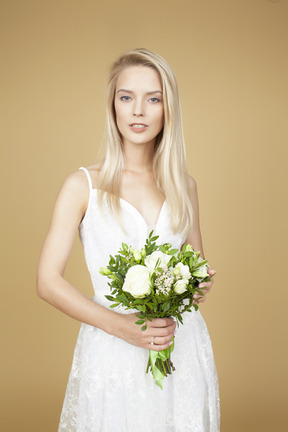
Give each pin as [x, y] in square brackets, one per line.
[148, 93]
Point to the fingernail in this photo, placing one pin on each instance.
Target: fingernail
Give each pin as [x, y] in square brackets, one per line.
[170, 343]
[195, 296]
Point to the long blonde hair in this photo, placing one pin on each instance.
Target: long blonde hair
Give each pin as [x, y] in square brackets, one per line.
[169, 162]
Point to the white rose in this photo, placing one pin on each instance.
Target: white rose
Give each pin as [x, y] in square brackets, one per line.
[137, 281]
[152, 259]
[181, 286]
[183, 270]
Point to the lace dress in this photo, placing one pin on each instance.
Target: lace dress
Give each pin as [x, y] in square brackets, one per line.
[108, 389]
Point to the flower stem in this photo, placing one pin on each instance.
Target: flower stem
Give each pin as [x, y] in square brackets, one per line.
[168, 366]
[148, 365]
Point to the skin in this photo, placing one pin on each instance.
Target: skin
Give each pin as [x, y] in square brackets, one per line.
[138, 186]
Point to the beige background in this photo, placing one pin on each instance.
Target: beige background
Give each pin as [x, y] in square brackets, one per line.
[230, 58]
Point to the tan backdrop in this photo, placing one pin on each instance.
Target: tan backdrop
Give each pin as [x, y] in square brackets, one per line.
[230, 57]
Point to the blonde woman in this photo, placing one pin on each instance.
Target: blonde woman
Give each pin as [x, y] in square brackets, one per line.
[142, 184]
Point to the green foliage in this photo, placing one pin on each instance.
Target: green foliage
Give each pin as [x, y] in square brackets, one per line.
[157, 304]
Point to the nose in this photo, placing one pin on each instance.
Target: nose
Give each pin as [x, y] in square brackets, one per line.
[138, 109]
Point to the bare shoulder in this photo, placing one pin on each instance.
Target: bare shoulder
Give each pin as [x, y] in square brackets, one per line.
[74, 193]
[76, 182]
[94, 171]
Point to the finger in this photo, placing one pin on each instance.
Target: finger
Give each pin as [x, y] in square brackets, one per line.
[206, 285]
[162, 322]
[159, 347]
[199, 299]
[211, 272]
[167, 332]
[161, 340]
[204, 291]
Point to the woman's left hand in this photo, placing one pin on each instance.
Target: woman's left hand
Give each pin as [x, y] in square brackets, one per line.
[205, 287]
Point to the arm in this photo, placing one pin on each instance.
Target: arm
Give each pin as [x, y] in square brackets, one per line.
[195, 239]
[68, 212]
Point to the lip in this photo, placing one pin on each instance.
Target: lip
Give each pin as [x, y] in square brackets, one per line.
[135, 127]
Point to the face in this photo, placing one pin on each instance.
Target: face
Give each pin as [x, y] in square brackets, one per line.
[139, 105]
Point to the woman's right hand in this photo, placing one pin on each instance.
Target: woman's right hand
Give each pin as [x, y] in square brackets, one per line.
[157, 336]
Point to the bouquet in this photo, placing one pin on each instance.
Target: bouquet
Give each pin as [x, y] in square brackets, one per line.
[158, 282]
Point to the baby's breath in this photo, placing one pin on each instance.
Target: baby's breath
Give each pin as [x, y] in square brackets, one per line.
[164, 281]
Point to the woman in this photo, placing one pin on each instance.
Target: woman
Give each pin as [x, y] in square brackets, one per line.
[141, 185]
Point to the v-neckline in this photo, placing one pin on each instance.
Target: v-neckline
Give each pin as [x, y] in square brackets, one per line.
[132, 209]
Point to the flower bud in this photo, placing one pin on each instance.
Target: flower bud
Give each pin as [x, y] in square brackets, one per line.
[105, 271]
[137, 254]
[176, 271]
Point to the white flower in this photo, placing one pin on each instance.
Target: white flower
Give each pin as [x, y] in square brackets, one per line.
[152, 259]
[137, 281]
[181, 286]
[201, 272]
[183, 270]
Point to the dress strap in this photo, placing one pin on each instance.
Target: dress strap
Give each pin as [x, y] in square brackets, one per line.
[88, 177]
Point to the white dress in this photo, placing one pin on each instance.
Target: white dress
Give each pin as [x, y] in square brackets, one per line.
[108, 388]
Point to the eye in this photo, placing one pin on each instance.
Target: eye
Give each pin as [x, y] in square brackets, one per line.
[154, 100]
[125, 98]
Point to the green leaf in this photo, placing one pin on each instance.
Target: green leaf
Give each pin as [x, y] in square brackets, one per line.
[154, 238]
[140, 322]
[110, 298]
[144, 328]
[173, 251]
[119, 277]
[142, 308]
[199, 265]
[166, 307]
[122, 297]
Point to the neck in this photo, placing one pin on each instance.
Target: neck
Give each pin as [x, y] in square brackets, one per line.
[139, 157]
